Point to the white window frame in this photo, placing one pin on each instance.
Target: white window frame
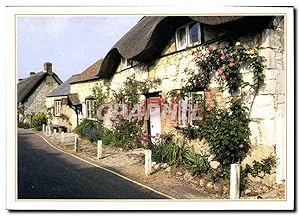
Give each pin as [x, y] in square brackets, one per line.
[188, 42]
[57, 107]
[185, 109]
[90, 108]
[127, 63]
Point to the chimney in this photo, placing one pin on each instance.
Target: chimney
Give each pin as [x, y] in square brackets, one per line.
[32, 73]
[48, 67]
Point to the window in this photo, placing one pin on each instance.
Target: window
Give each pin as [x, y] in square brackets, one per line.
[188, 110]
[188, 35]
[90, 108]
[57, 107]
[126, 63]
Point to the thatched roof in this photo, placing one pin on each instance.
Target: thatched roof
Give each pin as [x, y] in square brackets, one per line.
[88, 74]
[146, 40]
[148, 37]
[27, 86]
[63, 89]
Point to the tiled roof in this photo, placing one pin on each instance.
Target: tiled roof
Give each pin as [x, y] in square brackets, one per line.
[63, 89]
[88, 74]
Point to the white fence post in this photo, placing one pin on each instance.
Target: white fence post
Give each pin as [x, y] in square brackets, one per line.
[76, 143]
[62, 137]
[148, 162]
[46, 130]
[43, 127]
[99, 149]
[49, 130]
[234, 181]
[54, 134]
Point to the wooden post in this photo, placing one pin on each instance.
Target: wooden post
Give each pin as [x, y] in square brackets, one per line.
[43, 127]
[62, 137]
[234, 181]
[99, 149]
[76, 143]
[148, 162]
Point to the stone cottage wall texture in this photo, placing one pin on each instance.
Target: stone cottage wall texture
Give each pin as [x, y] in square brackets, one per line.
[37, 101]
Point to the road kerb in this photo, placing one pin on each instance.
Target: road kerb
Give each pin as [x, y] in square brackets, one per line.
[106, 169]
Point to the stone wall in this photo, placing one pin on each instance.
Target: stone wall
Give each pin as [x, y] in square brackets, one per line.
[37, 100]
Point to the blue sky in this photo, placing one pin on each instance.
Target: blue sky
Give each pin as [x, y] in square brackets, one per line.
[71, 44]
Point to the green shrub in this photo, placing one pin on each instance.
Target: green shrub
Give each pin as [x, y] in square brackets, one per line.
[24, 125]
[107, 136]
[126, 134]
[168, 151]
[263, 167]
[88, 129]
[196, 163]
[38, 120]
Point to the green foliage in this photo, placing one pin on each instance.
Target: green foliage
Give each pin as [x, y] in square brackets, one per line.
[198, 164]
[88, 129]
[126, 134]
[38, 120]
[171, 151]
[131, 90]
[168, 151]
[226, 131]
[24, 125]
[101, 94]
[258, 169]
[222, 172]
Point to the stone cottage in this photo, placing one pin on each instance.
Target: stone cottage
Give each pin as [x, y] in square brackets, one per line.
[60, 109]
[32, 92]
[165, 48]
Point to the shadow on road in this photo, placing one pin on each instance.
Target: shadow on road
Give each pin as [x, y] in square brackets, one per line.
[45, 173]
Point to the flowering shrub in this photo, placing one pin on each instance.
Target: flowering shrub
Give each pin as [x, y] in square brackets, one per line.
[126, 134]
[88, 129]
[227, 63]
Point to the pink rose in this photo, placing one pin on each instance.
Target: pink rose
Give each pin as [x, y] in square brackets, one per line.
[231, 59]
[223, 77]
[212, 48]
[221, 70]
[231, 64]
[222, 57]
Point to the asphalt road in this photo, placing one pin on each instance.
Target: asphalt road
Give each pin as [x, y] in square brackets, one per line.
[44, 172]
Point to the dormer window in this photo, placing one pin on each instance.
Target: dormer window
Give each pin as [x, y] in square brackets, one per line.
[188, 35]
[126, 63]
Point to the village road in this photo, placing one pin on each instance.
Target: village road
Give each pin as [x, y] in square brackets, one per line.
[44, 172]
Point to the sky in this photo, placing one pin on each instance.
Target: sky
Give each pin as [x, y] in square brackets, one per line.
[71, 44]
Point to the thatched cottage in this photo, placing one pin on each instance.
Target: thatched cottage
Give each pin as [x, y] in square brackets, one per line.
[32, 92]
[165, 48]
